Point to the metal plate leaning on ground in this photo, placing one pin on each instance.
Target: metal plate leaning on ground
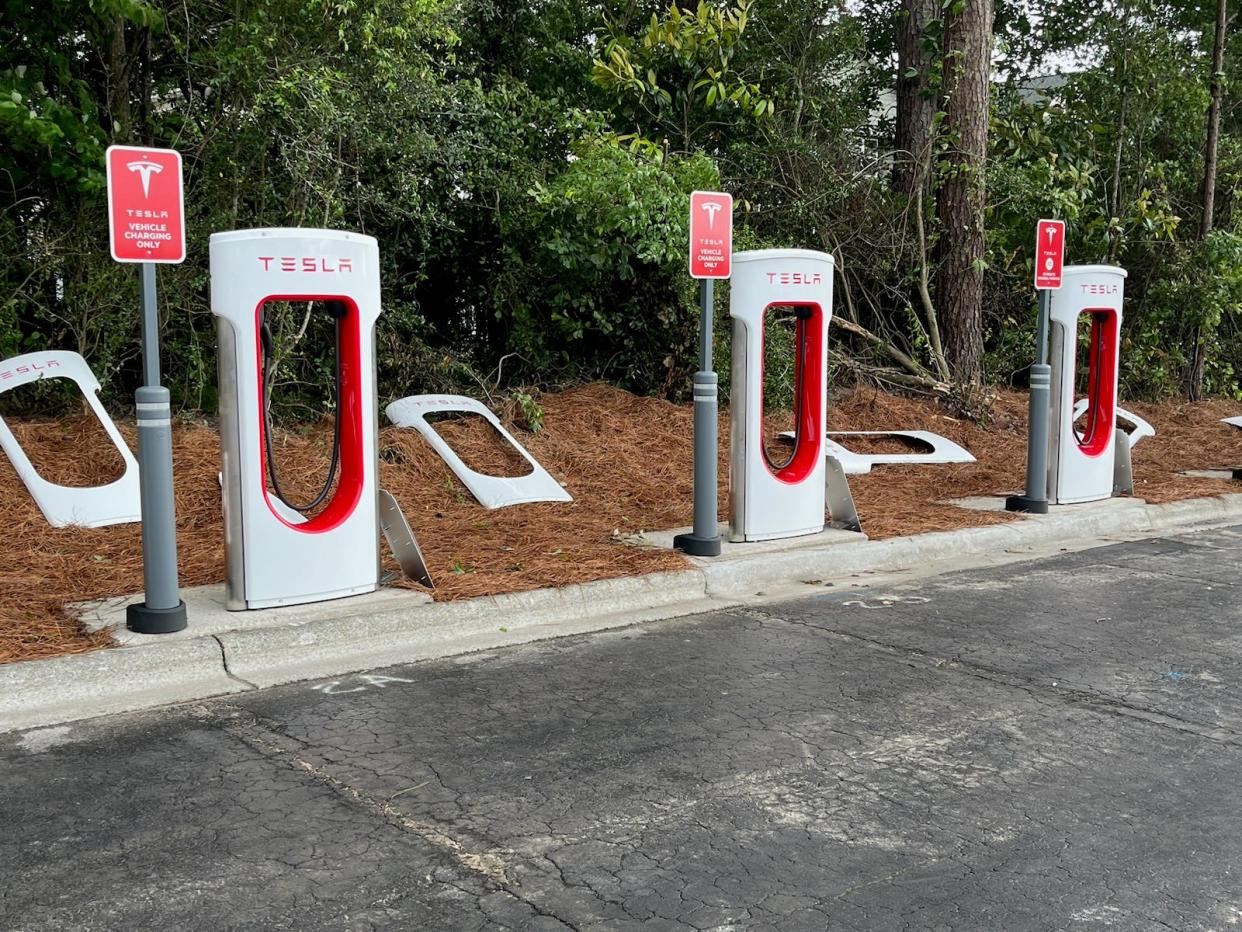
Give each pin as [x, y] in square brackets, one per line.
[117, 502]
[1139, 428]
[491, 491]
[839, 498]
[401, 540]
[943, 450]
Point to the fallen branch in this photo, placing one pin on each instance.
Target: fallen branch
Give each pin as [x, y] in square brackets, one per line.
[907, 362]
[929, 309]
[919, 381]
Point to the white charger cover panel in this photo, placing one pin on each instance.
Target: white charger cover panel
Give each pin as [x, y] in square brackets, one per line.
[1080, 466]
[1139, 427]
[943, 451]
[490, 491]
[275, 555]
[770, 500]
[119, 501]
[1232, 421]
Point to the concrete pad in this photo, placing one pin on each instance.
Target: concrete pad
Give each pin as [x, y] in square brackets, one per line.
[997, 503]
[207, 615]
[1226, 474]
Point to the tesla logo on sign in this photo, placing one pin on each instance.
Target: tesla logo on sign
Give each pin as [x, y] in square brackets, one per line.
[1049, 253]
[711, 234]
[145, 170]
[146, 206]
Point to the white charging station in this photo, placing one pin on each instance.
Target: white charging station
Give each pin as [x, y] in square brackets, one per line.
[279, 553]
[770, 499]
[1083, 442]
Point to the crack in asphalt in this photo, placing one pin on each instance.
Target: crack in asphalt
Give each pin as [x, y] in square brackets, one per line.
[263, 736]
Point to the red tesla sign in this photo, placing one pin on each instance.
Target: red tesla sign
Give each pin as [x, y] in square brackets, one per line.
[1049, 253]
[711, 234]
[146, 204]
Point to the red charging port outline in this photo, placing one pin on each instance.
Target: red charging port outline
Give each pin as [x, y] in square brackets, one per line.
[348, 406]
[1101, 410]
[808, 390]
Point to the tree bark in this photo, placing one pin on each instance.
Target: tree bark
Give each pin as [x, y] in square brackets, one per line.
[1213, 121]
[1114, 200]
[117, 67]
[1199, 360]
[959, 278]
[916, 104]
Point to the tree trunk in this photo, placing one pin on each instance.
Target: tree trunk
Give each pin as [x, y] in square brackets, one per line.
[1199, 360]
[916, 104]
[1213, 121]
[118, 82]
[1114, 199]
[959, 278]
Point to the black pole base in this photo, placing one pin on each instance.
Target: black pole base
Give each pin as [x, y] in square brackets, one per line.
[1030, 506]
[143, 620]
[697, 546]
[1237, 472]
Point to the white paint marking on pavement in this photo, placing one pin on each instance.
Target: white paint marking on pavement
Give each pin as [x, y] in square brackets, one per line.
[330, 689]
[885, 601]
[379, 680]
[369, 681]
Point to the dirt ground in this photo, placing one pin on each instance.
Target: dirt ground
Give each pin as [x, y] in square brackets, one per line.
[626, 460]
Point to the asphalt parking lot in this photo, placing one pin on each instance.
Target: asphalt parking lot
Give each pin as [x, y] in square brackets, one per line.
[1041, 746]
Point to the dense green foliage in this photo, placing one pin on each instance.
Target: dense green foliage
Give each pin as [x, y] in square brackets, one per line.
[525, 165]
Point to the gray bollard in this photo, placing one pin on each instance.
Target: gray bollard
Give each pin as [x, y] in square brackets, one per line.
[1035, 501]
[706, 405]
[162, 610]
[704, 539]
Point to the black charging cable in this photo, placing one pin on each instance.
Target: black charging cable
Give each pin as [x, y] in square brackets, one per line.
[337, 310]
[1095, 379]
[802, 314]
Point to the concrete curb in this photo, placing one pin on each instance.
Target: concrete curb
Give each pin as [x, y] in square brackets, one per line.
[63, 689]
[103, 682]
[271, 656]
[1220, 509]
[1133, 516]
[747, 576]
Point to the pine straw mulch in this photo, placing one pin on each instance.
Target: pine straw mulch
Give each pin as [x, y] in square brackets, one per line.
[625, 459]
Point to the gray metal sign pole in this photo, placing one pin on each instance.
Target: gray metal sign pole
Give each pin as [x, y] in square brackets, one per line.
[162, 610]
[1035, 501]
[704, 540]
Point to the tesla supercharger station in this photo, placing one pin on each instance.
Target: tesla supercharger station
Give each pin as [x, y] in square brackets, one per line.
[280, 552]
[1083, 449]
[770, 499]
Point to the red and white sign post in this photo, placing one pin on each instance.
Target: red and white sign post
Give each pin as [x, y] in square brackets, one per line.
[146, 204]
[711, 257]
[1049, 261]
[1049, 253]
[146, 223]
[711, 235]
